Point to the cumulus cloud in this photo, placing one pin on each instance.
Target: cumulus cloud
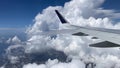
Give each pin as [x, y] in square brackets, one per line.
[81, 13]
[45, 22]
[108, 61]
[39, 45]
[13, 59]
[12, 50]
[56, 64]
[14, 40]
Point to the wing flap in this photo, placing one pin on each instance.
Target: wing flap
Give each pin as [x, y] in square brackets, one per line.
[80, 34]
[104, 44]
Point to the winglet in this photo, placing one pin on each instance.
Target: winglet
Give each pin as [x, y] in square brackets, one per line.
[62, 19]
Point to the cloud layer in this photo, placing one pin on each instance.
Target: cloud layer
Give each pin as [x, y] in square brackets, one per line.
[56, 64]
[77, 12]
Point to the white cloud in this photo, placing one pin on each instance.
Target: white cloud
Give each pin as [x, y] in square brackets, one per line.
[2, 67]
[55, 64]
[12, 56]
[34, 65]
[78, 12]
[39, 45]
[14, 40]
[15, 44]
[13, 59]
[109, 61]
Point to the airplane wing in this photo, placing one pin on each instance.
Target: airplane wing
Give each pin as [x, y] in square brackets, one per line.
[111, 36]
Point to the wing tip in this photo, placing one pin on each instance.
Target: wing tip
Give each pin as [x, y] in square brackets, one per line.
[62, 19]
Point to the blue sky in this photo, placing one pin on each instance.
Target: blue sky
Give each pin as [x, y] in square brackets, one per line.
[20, 13]
[111, 4]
